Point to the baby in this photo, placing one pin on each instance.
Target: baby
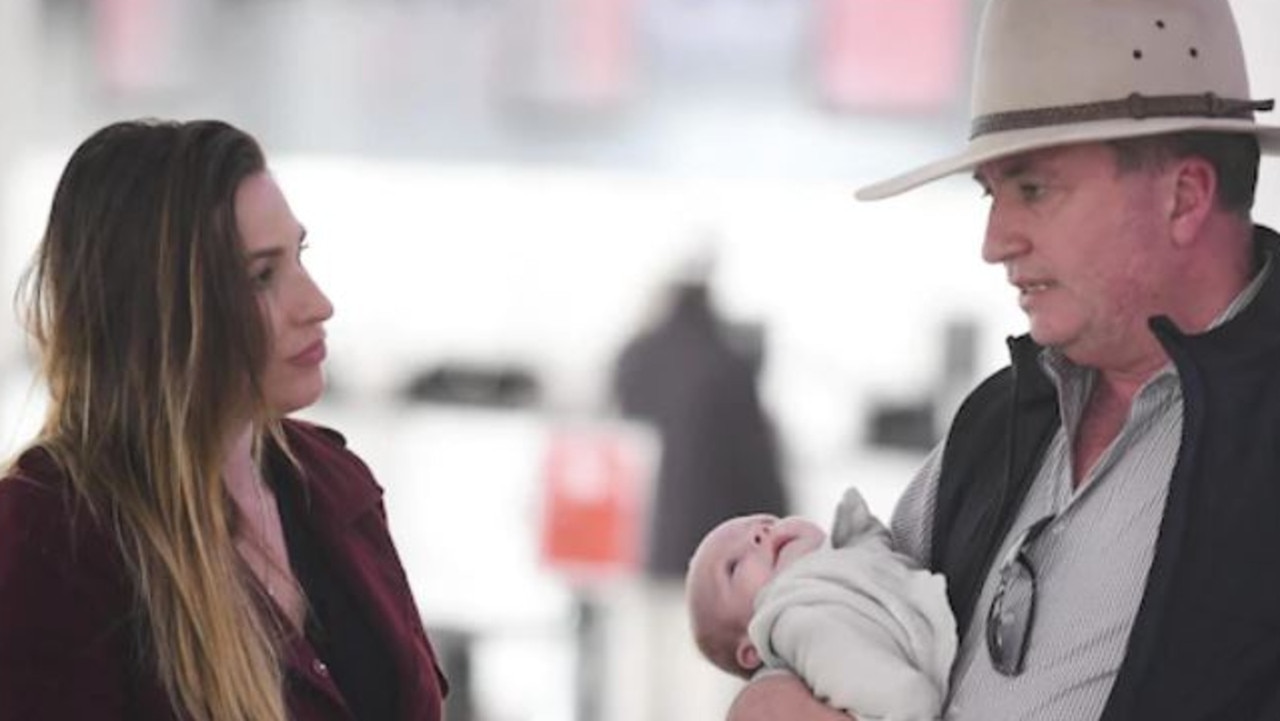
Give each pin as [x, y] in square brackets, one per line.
[867, 630]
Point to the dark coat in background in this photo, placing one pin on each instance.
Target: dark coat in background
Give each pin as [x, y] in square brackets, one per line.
[719, 458]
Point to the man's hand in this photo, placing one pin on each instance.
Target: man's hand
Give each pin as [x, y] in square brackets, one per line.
[780, 697]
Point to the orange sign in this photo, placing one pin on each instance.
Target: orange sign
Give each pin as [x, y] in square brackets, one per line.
[592, 503]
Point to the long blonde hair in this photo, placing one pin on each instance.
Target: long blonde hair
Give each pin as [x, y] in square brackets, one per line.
[151, 344]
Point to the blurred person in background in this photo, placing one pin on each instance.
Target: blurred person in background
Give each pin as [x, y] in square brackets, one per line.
[692, 379]
[1105, 508]
[172, 545]
[695, 382]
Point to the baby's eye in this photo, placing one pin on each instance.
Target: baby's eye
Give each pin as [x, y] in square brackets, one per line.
[732, 567]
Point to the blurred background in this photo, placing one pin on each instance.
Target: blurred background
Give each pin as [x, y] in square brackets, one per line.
[503, 195]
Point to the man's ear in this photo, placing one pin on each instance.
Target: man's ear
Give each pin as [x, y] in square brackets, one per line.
[747, 655]
[1195, 193]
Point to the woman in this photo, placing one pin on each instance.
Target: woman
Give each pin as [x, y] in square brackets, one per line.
[171, 545]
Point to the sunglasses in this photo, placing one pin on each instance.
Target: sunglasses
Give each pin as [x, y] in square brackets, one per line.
[1013, 608]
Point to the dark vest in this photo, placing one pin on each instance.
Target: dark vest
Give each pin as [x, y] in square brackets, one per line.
[1206, 640]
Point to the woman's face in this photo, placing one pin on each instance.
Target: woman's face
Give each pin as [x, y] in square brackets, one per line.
[292, 304]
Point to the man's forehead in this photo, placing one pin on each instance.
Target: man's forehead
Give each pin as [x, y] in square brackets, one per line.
[1038, 160]
[1014, 165]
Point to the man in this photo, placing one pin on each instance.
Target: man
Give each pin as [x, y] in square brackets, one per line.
[1107, 509]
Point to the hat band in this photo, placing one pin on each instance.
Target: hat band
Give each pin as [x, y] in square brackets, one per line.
[1137, 106]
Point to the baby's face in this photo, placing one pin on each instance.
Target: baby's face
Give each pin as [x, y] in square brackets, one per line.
[740, 556]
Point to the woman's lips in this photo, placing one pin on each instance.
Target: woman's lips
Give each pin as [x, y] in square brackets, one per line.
[312, 355]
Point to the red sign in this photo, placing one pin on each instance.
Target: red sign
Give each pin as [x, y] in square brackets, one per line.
[592, 503]
[891, 54]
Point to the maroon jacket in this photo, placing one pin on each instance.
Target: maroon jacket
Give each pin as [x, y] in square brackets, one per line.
[68, 625]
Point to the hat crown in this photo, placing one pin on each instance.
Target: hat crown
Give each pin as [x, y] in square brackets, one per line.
[1036, 54]
[1059, 72]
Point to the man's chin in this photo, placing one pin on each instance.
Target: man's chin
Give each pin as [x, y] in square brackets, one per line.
[1045, 337]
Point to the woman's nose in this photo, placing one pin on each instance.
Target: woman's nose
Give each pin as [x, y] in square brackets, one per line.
[318, 308]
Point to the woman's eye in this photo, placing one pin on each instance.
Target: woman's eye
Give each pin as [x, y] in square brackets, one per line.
[263, 277]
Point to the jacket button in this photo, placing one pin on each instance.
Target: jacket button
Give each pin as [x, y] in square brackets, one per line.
[320, 669]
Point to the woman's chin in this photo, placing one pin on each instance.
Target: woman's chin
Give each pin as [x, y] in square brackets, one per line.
[297, 399]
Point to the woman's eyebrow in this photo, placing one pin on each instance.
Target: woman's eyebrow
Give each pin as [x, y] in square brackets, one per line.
[276, 250]
[266, 253]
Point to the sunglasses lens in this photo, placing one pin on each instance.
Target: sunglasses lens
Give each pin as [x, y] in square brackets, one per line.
[1009, 620]
[1013, 608]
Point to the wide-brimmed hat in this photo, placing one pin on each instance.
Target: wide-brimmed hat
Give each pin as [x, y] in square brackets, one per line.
[1056, 72]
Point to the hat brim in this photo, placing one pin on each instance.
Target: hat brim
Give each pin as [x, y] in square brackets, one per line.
[999, 145]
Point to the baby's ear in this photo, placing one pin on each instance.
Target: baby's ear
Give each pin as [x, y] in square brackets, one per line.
[747, 655]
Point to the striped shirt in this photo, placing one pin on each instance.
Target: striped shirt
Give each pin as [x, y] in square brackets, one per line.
[1091, 563]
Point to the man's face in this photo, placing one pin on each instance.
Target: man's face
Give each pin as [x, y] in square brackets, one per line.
[1085, 246]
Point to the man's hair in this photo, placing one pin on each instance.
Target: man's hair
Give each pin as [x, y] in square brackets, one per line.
[1234, 157]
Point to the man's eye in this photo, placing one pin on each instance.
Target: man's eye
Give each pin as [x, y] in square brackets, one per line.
[1031, 192]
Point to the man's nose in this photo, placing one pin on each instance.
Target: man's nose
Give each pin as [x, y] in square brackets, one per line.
[1003, 239]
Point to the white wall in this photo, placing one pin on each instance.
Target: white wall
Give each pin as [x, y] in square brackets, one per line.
[1257, 20]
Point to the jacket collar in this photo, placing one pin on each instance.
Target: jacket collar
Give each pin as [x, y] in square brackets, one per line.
[325, 472]
[1254, 330]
